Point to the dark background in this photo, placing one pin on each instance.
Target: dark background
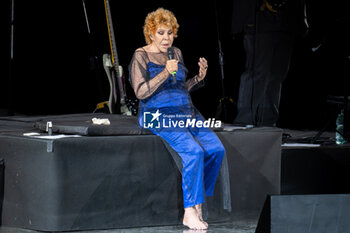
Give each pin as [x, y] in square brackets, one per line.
[52, 52]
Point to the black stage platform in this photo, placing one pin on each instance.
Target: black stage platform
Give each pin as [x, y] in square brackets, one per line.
[321, 167]
[125, 177]
[121, 176]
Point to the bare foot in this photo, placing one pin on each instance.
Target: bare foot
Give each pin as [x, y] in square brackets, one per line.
[199, 213]
[192, 221]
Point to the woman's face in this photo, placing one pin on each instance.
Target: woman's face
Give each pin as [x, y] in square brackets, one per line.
[163, 38]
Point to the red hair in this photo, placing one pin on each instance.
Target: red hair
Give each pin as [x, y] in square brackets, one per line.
[157, 18]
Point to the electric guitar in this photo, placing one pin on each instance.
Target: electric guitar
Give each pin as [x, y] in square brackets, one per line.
[114, 71]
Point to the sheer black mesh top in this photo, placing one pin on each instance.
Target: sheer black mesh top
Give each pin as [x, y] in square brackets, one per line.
[141, 82]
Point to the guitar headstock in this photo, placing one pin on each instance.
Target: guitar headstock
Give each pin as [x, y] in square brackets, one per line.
[275, 5]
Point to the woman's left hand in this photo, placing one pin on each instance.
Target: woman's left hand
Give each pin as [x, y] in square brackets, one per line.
[203, 66]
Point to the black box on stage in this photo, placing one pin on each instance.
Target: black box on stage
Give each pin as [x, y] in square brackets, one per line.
[305, 213]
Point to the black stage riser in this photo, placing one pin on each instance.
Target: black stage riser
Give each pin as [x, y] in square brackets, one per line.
[103, 182]
[320, 170]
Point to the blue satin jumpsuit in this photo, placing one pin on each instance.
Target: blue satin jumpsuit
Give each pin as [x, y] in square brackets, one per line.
[200, 149]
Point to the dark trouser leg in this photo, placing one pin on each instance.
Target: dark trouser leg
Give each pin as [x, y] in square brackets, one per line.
[245, 112]
[272, 65]
[268, 58]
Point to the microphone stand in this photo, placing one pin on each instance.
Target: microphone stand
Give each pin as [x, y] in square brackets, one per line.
[94, 65]
[221, 54]
[346, 117]
[222, 111]
[10, 110]
[346, 122]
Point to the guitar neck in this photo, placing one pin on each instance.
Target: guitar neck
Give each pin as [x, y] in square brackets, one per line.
[112, 42]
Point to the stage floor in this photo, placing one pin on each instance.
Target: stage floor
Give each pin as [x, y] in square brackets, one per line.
[234, 226]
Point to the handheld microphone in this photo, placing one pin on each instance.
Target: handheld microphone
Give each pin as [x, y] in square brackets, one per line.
[171, 57]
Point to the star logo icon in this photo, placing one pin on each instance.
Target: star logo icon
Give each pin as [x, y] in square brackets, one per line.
[156, 115]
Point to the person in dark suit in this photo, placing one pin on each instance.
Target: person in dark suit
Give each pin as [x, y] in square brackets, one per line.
[269, 29]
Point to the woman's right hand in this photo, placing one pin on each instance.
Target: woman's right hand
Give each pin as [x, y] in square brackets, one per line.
[171, 65]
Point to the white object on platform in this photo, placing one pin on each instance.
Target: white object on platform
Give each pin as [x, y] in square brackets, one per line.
[100, 121]
[300, 145]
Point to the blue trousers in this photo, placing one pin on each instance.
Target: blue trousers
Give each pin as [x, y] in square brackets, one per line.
[201, 152]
